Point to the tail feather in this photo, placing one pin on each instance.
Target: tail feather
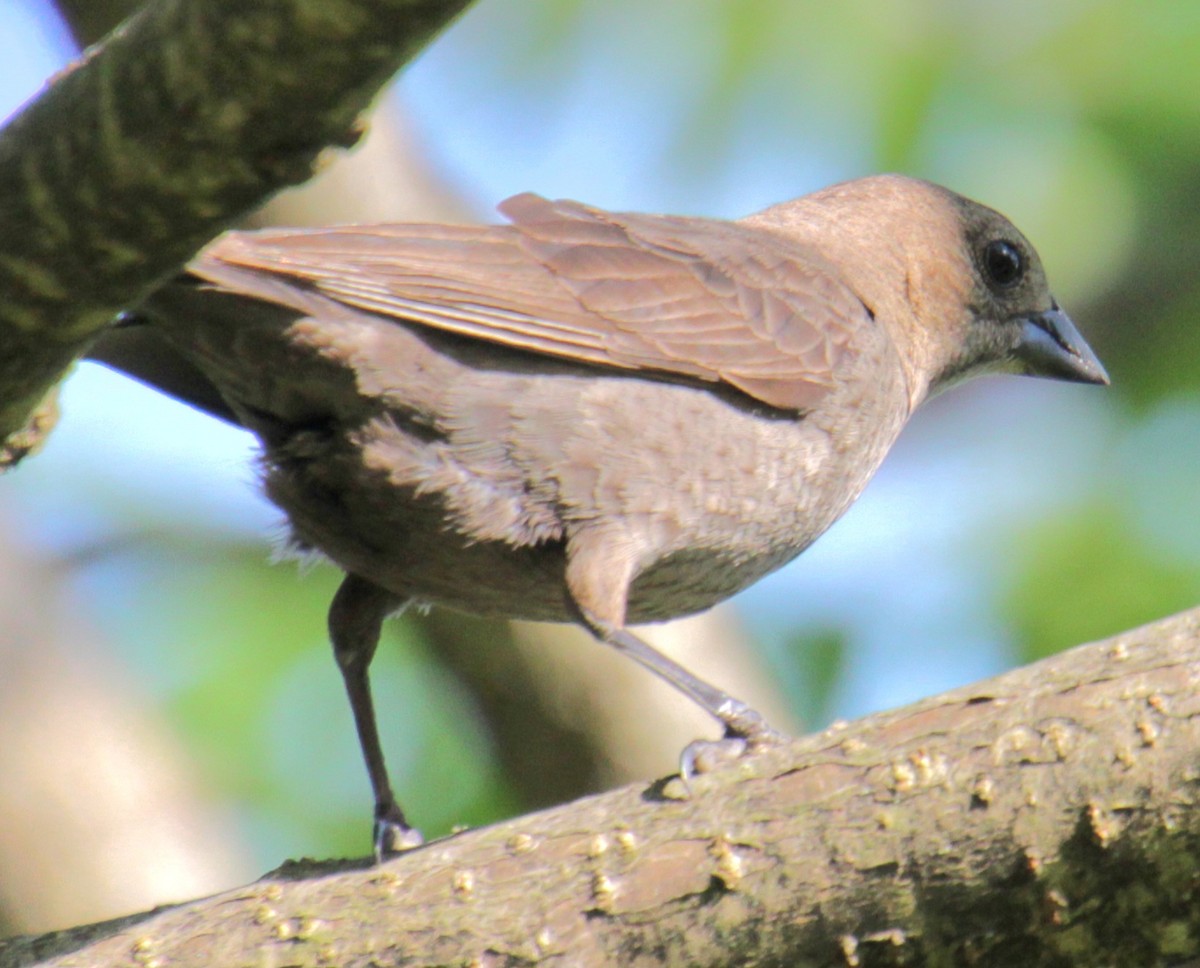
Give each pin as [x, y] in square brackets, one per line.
[137, 349]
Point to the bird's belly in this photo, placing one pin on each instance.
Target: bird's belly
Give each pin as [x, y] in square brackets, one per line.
[403, 538]
[688, 582]
[479, 513]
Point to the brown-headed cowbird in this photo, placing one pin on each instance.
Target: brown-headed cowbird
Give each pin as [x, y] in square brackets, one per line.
[585, 416]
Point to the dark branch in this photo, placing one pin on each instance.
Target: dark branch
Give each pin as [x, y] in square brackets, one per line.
[188, 115]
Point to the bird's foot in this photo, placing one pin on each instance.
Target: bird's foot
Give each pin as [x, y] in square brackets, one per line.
[393, 835]
[746, 732]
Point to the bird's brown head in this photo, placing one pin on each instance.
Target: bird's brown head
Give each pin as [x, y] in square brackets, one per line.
[960, 288]
[1013, 323]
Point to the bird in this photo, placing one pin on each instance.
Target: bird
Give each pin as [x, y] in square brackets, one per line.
[588, 416]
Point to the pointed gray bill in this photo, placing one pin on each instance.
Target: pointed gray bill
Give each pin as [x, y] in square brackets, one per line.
[1052, 346]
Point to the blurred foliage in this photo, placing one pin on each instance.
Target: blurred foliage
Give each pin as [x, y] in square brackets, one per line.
[811, 682]
[1083, 576]
[1080, 119]
[257, 692]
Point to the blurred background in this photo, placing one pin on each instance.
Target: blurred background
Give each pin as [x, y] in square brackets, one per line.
[171, 721]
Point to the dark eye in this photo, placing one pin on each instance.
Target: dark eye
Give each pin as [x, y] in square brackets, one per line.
[1003, 263]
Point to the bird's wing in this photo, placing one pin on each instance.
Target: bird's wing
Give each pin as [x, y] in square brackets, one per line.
[712, 300]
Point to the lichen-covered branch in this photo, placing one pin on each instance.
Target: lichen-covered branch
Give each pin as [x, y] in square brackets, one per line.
[1046, 817]
[189, 114]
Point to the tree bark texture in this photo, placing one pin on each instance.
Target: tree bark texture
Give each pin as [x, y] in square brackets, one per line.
[185, 117]
[1045, 817]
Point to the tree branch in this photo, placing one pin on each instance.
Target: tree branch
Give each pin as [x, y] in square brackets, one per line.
[187, 116]
[1045, 817]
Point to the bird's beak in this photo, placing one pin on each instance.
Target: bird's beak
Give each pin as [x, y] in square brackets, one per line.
[1051, 346]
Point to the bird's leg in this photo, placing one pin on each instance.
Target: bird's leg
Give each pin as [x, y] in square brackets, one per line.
[355, 620]
[745, 728]
[600, 570]
[739, 719]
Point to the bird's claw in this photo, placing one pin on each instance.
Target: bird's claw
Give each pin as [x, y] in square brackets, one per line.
[393, 836]
[746, 732]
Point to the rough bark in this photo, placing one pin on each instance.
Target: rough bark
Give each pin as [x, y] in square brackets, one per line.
[1045, 817]
[188, 115]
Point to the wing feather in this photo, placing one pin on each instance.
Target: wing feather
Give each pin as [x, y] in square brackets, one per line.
[702, 298]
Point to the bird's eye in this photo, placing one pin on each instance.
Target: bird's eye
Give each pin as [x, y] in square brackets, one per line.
[1003, 263]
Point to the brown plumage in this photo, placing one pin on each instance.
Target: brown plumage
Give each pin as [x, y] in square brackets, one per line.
[588, 416]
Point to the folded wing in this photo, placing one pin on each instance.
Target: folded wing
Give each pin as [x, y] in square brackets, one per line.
[711, 300]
